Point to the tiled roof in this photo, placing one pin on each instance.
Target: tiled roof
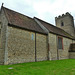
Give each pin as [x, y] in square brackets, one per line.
[54, 29]
[20, 20]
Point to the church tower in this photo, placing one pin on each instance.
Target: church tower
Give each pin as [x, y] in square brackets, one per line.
[66, 22]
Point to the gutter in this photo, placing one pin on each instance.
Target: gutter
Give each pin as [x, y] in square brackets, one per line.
[16, 26]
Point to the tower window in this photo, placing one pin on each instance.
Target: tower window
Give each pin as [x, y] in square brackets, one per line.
[62, 24]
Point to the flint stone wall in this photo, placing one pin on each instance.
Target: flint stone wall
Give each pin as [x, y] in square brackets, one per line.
[21, 46]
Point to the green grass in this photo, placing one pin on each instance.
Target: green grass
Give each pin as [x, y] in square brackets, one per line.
[56, 67]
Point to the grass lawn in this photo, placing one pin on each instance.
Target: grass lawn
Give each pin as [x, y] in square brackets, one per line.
[56, 67]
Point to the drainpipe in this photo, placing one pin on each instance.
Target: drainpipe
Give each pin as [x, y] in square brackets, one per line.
[35, 48]
[48, 47]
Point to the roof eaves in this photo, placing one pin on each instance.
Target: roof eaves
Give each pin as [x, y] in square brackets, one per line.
[26, 29]
[62, 35]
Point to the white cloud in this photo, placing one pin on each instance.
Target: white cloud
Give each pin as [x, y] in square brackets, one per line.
[44, 9]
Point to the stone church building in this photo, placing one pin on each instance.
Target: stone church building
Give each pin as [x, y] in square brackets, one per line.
[25, 39]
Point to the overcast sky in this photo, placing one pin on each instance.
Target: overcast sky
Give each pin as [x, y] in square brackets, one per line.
[46, 10]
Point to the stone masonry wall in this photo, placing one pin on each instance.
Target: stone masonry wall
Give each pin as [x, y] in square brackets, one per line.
[72, 51]
[21, 47]
[73, 41]
[54, 52]
[52, 47]
[3, 32]
[72, 55]
[41, 47]
[0, 35]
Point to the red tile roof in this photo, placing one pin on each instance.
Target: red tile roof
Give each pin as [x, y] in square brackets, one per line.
[54, 29]
[20, 20]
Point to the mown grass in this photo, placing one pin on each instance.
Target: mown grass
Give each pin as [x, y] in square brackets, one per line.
[56, 67]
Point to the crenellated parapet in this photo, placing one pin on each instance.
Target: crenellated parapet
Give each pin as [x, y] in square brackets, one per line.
[63, 15]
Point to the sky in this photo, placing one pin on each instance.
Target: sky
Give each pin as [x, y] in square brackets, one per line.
[46, 10]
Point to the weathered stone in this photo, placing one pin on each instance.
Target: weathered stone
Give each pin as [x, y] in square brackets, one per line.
[18, 45]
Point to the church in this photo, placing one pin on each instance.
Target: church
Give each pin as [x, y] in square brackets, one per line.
[25, 39]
